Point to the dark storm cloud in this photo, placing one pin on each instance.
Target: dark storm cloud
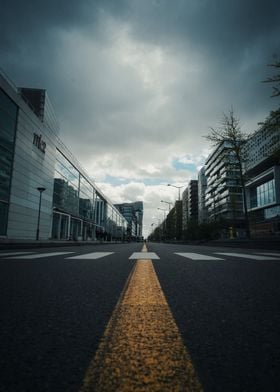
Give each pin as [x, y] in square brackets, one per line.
[21, 20]
[231, 40]
[214, 25]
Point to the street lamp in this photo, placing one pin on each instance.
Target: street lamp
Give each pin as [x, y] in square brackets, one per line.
[167, 202]
[41, 190]
[179, 189]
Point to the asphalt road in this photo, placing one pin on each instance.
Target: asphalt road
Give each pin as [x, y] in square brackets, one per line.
[55, 309]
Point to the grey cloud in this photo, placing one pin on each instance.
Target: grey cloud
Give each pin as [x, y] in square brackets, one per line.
[41, 45]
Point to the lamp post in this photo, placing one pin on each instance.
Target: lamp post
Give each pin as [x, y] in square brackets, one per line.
[41, 190]
[179, 189]
[167, 202]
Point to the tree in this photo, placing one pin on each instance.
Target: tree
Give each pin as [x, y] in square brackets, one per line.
[272, 123]
[275, 79]
[230, 131]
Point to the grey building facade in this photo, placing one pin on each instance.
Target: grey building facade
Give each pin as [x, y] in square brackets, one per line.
[201, 189]
[193, 201]
[185, 209]
[32, 157]
[263, 182]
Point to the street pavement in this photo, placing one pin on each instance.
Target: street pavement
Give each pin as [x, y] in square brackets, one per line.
[55, 304]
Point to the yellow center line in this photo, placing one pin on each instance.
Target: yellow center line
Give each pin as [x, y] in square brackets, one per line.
[142, 349]
[144, 249]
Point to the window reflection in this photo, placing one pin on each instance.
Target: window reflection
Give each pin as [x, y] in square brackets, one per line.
[80, 213]
[263, 194]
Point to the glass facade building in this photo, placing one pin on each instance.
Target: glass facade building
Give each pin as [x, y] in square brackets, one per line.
[32, 156]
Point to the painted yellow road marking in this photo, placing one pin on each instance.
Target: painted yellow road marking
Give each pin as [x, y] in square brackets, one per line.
[144, 249]
[142, 349]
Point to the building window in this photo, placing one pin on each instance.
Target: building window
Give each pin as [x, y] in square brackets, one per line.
[8, 121]
[263, 194]
[66, 186]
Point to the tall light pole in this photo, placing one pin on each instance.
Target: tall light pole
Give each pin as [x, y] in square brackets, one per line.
[41, 190]
[167, 202]
[179, 189]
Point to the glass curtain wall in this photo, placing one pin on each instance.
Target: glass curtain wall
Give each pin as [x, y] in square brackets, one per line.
[66, 200]
[80, 213]
[86, 207]
[8, 121]
[263, 194]
[66, 186]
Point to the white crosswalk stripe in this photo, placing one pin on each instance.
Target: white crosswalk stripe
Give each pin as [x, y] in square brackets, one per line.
[197, 256]
[269, 254]
[91, 256]
[14, 253]
[144, 256]
[39, 255]
[246, 256]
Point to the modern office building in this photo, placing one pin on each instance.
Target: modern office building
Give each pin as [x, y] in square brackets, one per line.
[223, 198]
[133, 213]
[44, 191]
[263, 182]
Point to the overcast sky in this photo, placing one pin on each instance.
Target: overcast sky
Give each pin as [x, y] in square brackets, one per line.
[137, 83]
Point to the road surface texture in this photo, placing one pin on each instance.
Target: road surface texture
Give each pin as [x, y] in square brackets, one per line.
[69, 315]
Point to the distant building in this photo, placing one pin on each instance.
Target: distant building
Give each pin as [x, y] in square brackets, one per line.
[201, 188]
[185, 209]
[193, 201]
[173, 222]
[133, 213]
[263, 182]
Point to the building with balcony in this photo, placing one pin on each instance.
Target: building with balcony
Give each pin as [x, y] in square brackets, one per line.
[185, 209]
[173, 222]
[193, 201]
[33, 156]
[201, 190]
[223, 196]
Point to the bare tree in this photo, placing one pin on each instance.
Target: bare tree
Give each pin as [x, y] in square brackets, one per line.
[275, 79]
[271, 125]
[230, 131]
